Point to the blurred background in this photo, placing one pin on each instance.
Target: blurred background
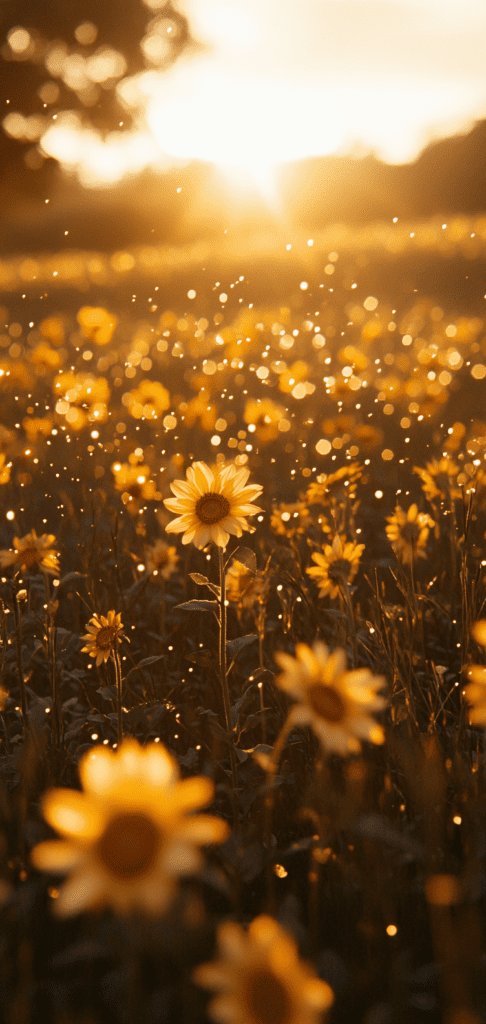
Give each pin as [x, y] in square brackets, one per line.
[173, 123]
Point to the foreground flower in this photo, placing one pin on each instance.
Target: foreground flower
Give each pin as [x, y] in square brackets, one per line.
[212, 504]
[130, 834]
[104, 633]
[475, 691]
[161, 559]
[337, 566]
[260, 978]
[408, 533]
[335, 702]
[31, 551]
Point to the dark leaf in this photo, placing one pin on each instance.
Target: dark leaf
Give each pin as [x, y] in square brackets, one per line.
[202, 581]
[246, 556]
[144, 664]
[71, 578]
[198, 606]
[235, 646]
[107, 692]
[204, 658]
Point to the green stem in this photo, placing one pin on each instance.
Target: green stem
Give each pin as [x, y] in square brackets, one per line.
[224, 683]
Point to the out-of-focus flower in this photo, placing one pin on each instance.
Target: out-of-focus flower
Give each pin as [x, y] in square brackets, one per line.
[439, 479]
[260, 978]
[290, 520]
[31, 551]
[45, 357]
[335, 702]
[335, 488]
[408, 533]
[266, 416]
[97, 324]
[161, 559]
[103, 636]
[244, 587]
[336, 566]
[4, 470]
[475, 691]
[130, 834]
[134, 483]
[35, 425]
[199, 408]
[368, 437]
[212, 504]
[150, 399]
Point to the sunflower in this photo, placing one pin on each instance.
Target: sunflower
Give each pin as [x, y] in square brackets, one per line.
[260, 978]
[213, 503]
[161, 559]
[130, 833]
[105, 632]
[134, 482]
[408, 533]
[31, 551]
[290, 520]
[337, 566]
[439, 478]
[334, 701]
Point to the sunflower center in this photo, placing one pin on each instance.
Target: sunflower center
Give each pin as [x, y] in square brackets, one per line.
[28, 557]
[339, 570]
[105, 637]
[267, 999]
[129, 845]
[326, 702]
[410, 533]
[212, 508]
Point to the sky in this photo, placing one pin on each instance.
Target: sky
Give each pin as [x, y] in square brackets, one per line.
[276, 80]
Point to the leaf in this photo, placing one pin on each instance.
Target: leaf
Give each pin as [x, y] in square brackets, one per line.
[246, 556]
[235, 646]
[374, 826]
[202, 581]
[198, 606]
[143, 664]
[203, 658]
[71, 577]
[107, 692]
[38, 712]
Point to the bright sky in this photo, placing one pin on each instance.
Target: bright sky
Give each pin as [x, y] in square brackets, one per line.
[280, 80]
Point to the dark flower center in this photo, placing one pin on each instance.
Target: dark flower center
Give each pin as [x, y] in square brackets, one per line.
[326, 702]
[129, 845]
[212, 508]
[410, 533]
[339, 570]
[267, 999]
[105, 637]
[28, 557]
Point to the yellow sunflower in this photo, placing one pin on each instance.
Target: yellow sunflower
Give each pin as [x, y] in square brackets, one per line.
[337, 566]
[290, 520]
[335, 702]
[130, 834]
[439, 478]
[260, 978]
[475, 691]
[134, 482]
[408, 533]
[161, 559]
[213, 504]
[31, 551]
[105, 632]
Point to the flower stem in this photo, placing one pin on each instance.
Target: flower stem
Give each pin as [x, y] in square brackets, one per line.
[51, 658]
[118, 675]
[271, 770]
[224, 683]
[18, 651]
